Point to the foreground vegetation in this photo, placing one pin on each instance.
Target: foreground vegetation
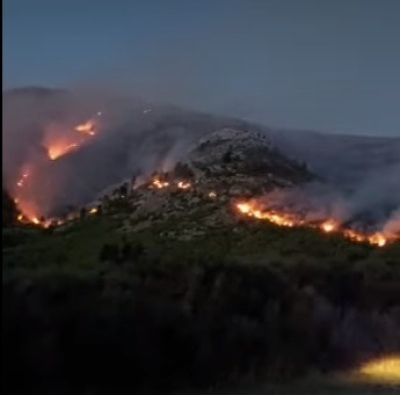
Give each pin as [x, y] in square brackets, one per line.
[313, 384]
[90, 308]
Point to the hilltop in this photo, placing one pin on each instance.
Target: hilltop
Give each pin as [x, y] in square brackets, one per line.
[226, 164]
[140, 137]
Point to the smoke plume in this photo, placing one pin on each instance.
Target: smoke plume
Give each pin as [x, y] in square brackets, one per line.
[361, 175]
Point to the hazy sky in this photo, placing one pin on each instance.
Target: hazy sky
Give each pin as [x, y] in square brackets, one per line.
[331, 65]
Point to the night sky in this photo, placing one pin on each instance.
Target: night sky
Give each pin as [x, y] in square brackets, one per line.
[328, 65]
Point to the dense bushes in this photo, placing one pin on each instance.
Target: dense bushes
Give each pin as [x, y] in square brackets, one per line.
[89, 309]
[151, 324]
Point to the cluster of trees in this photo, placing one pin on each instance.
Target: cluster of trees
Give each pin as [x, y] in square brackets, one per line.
[112, 252]
[9, 210]
[149, 323]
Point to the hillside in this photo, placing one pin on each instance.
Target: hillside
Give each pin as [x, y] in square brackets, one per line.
[344, 159]
[138, 137]
[163, 283]
[165, 286]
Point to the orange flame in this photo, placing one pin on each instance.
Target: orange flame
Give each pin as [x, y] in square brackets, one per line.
[184, 185]
[279, 219]
[93, 210]
[329, 226]
[57, 150]
[160, 184]
[250, 209]
[377, 239]
[87, 127]
[57, 147]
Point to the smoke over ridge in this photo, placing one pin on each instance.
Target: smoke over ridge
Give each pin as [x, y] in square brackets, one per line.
[135, 137]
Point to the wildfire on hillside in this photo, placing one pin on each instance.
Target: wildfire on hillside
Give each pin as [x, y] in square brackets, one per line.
[58, 142]
[249, 208]
[252, 209]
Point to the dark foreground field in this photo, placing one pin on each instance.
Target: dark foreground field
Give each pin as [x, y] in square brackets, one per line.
[310, 386]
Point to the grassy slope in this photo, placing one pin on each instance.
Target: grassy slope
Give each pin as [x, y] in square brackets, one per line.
[78, 246]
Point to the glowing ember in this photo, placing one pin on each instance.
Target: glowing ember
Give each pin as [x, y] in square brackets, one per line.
[21, 181]
[377, 239]
[57, 150]
[93, 210]
[329, 226]
[244, 208]
[354, 236]
[184, 185]
[86, 128]
[160, 184]
[385, 369]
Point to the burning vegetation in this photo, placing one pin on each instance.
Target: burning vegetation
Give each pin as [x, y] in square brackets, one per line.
[255, 210]
[250, 208]
[57, 143]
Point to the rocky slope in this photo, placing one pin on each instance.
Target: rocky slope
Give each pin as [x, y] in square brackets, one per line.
[140, 138]
[226, 165]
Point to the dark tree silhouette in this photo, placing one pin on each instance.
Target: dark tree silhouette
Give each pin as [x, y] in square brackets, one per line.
[10, 211]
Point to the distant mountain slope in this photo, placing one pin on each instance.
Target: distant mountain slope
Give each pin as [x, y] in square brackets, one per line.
[141, 138]
[33, 91]
[341, 158]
